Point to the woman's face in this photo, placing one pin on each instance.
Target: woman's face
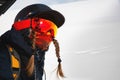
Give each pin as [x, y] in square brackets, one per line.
[41, 40]
[43, 31]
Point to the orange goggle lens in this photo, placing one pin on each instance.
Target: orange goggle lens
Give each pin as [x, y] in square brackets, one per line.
[37, 24]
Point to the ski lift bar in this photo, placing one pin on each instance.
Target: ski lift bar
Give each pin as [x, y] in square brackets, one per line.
[5, 5]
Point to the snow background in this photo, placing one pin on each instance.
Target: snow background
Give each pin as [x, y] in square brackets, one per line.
[89, 40]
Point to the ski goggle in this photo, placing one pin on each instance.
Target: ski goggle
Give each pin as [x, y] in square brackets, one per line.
[37, 24]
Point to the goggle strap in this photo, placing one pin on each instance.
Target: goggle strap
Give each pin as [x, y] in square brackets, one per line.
[31, 23]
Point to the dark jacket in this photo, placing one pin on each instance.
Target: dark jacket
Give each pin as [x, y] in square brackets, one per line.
[16, 40]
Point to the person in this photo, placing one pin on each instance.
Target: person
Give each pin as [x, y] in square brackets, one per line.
[33, 30]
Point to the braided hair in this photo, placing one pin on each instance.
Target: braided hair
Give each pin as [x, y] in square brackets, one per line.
[57, 49]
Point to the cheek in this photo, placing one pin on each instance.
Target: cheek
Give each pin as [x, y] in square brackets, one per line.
[43, 40]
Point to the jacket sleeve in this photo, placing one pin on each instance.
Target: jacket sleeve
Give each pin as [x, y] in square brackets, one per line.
[15, 39]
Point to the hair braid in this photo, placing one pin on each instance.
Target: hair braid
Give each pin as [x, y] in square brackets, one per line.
[30, 66]
[33, 39]
[57, 49]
